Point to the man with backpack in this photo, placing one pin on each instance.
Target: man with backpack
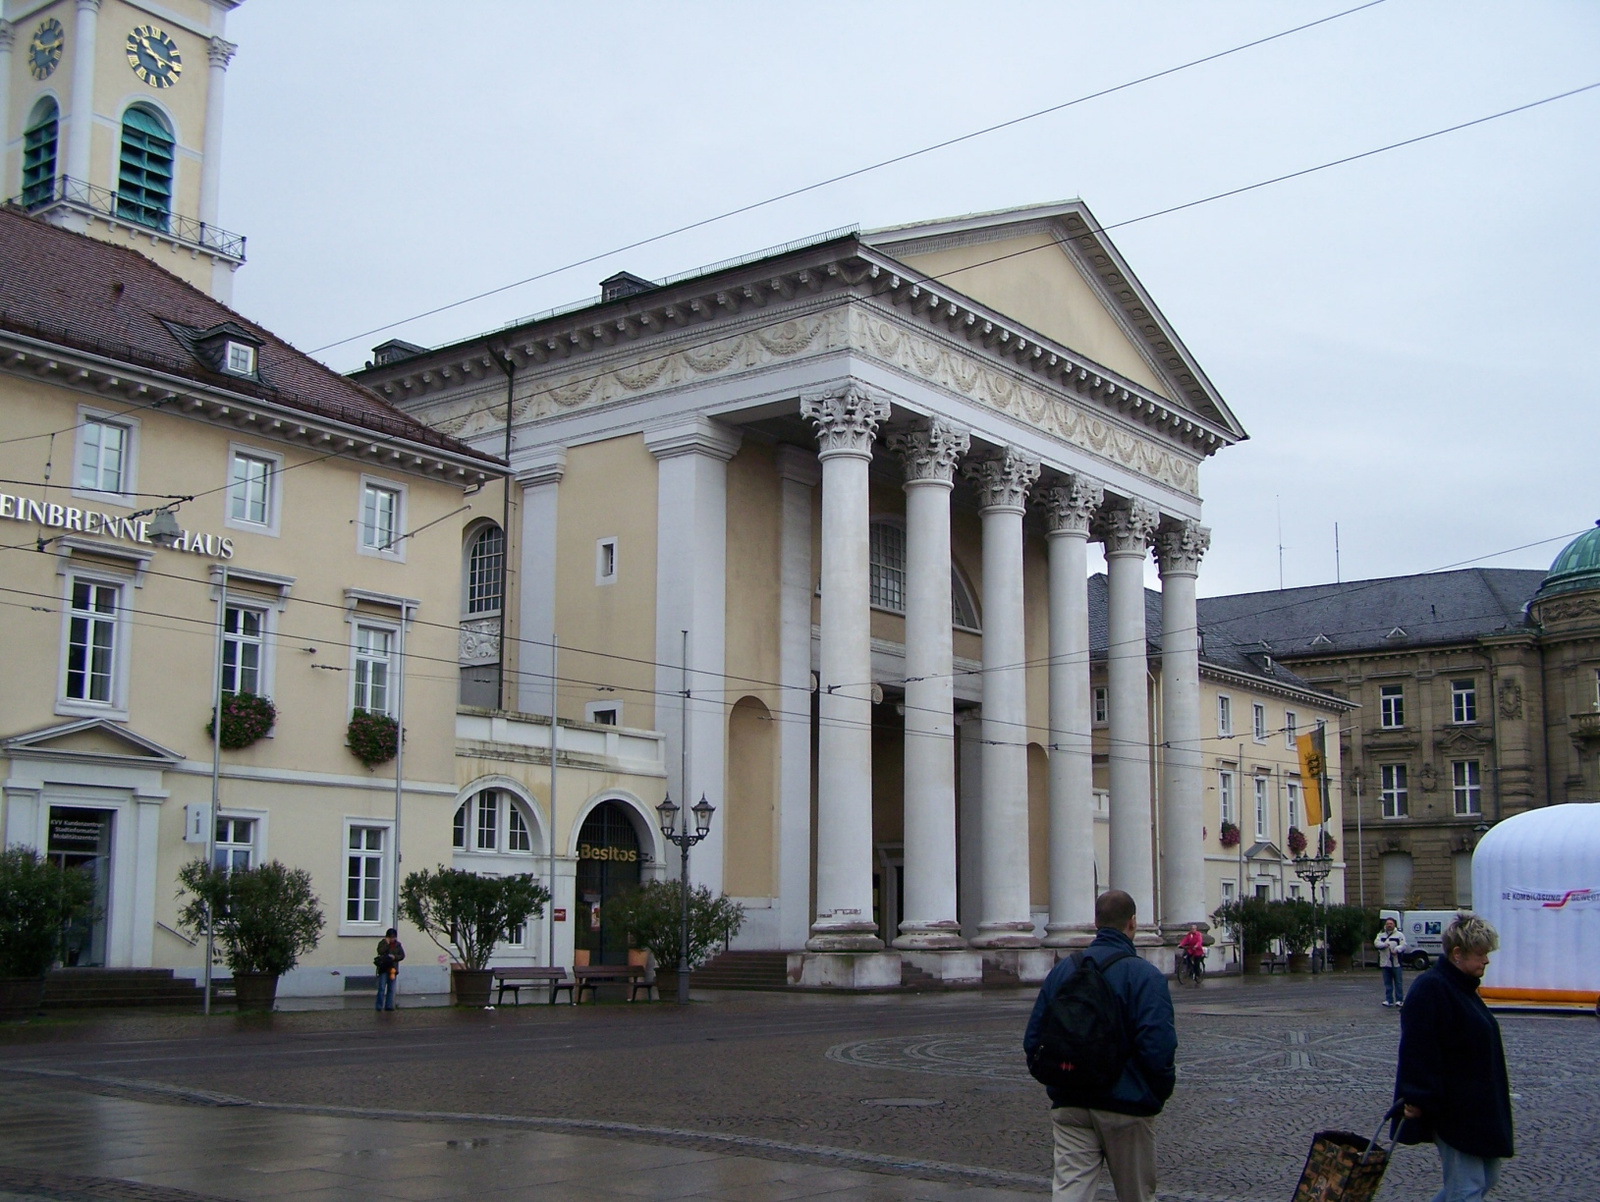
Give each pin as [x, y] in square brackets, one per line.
[1102, 1041]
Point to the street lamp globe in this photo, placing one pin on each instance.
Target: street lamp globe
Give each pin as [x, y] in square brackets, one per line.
[702, 811]
[668, 810]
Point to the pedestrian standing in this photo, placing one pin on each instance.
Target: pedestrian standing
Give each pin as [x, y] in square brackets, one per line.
[1452, 1075]
[1113, 1125]
[390, 952]
[1391, 945]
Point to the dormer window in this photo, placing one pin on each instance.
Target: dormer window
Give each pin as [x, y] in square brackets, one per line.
[239, 358]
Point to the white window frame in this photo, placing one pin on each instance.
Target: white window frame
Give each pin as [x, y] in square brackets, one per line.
[605, 560]
[1263, 800]
[875, 566]
[347, 925]
[513, 810]
[258, 830]
[264, 611]
[392, 629]
[467, 612]
[1227, 793]
[1291, 728]
[128, 494]
[249, 367]
[478, 829]
[1224, 716]
[116, 706]
[1466, 786]
[274, 490]
[1394, 791]
[396, 551]
[1392, 706]
[1292, 794]
[593, 711]
[1460, 699]
[1258, 722]
[1100, 703]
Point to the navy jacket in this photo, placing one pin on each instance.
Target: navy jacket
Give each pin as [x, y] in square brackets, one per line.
[1146, 1083]
[1452, 1066]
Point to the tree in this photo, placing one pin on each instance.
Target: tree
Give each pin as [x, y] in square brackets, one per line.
[37, 899]
[652, 914]
[466, 914]
[266, 918]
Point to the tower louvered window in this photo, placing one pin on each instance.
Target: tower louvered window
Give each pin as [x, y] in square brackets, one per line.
[39, 154]
[144, 178]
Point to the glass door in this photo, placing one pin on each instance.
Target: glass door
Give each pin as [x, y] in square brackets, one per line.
[80, 839]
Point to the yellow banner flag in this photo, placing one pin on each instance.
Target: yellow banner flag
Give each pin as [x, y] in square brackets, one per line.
[1313, 769]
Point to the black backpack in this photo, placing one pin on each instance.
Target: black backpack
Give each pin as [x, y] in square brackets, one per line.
[1083, 1041]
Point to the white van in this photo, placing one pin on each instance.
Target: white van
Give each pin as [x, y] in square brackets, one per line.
[1424, 932]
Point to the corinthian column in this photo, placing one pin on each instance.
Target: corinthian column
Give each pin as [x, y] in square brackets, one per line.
[847, 419]
[8, 38]
[1127, 538]
[929, 454]
[220, 53]
[80, 120]
[1006, 918]
[1068, 512]
[1183, 888]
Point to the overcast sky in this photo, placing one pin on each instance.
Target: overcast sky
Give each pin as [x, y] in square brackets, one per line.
[1409, 339]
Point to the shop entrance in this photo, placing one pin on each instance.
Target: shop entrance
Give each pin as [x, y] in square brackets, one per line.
[608, 867]
[81, 839]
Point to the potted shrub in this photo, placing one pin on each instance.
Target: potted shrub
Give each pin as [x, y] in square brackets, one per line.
[372, 738]
[466, 915]
[1297, 841]
[1348, 932]
[652, 915]
[246, 717]
[1228, 834]
[1298, 930]
[265, 919]
[37, 899]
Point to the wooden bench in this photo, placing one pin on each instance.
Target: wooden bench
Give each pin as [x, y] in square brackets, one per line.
[513, 979]
[590, 977]
[1272, 963]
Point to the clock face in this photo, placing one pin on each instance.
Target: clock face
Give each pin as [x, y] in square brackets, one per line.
[153, 55]
[44, 51]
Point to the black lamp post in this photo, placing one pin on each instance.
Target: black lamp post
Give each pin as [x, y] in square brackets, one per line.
[702, 811]
[1314, 870]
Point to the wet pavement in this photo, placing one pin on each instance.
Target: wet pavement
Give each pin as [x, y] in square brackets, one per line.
[756, 1096]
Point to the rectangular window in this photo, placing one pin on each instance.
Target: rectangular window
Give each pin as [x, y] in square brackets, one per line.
[236, 843]
[1224, 716]
[1258, 722]
[1392, 706]
[1102, 710]
[1463, 702]
[887, 565]
[1291, 728]
[363, 888]
[372, 669]
[1227, 892]
[1468, 792]
[250, 489]
[241, 650]
[1292, 788]
[1294, 892]
[488, 823]
[380, 518]
[1225, 794]
[1393, 792]
[605, 561]
[458, 828]
[1462, 861]
[102, 456]
[92, 642]
[1261, 783]
[605, 713]
[517, 838]
[241, 360]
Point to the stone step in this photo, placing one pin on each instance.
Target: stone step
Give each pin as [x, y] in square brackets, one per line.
[96, 988]
[743, 970]
[912, 977]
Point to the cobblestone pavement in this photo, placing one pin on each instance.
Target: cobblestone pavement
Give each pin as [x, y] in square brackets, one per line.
[926, 1087]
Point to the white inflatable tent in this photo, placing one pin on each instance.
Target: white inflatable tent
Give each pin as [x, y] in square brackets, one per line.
[1536, 878]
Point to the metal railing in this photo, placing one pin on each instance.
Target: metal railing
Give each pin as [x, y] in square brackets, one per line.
[104, 202]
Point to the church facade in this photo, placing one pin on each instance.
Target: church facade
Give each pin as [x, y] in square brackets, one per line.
[820, 518]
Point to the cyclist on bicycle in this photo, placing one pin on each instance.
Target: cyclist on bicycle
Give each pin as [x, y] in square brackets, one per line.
[1193, 947]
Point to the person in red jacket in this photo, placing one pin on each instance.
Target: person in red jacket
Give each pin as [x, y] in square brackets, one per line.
[1193, 946]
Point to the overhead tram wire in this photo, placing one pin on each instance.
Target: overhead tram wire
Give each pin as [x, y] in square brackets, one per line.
[855, 173]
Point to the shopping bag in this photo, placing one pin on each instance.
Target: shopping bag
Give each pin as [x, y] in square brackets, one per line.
[1344, 1167]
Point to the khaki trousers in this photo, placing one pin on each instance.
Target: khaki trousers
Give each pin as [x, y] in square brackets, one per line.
[1084, 1138]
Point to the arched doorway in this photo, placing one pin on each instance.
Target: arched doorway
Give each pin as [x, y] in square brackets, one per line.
[608, 867]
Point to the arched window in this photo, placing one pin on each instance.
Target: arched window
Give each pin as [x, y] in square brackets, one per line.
[39, 154]
[963, 609]
[144, 178]
[491, 821]
[486, 571]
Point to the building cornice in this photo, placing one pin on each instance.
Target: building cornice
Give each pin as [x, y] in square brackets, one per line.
[1275, 688]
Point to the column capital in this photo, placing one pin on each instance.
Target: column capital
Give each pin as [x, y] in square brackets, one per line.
[1179, 548]
[930, 450]
[1003, 479]
[89, 6]
[1070, 507]
[8, 35]
[847, 418]
[1126, 529]
[798, 465]
[543, 467]
[693, 435]
[221, 52]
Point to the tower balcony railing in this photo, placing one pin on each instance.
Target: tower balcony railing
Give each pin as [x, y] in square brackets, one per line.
[64, 192]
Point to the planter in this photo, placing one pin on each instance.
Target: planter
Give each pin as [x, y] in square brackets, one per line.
[255, 990]
[1342, 961]
[1299, 962]
[20, 997]
[1264, 965]
[472, 986]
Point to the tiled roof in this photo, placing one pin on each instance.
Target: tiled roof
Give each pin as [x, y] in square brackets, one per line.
[1430, 608]
[75, 291]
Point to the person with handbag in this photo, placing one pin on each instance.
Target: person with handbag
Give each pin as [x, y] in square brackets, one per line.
[390, 952]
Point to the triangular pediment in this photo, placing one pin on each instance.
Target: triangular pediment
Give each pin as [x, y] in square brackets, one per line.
[1265, 849]
[1052, 269]
[90, 738]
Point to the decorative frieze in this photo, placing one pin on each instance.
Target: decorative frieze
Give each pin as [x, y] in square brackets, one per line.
[1126, 530]
[847, 417]
[931, 449]
[1180, 547]
[1070, 507]
[480, 641]
[1003, 480]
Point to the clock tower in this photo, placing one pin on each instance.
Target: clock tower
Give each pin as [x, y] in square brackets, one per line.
[111, 125]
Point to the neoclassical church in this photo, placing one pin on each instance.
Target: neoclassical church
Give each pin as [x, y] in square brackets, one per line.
[819, 519]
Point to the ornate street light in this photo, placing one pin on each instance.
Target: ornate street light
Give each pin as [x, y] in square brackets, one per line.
[668, 811]
[1314, 870]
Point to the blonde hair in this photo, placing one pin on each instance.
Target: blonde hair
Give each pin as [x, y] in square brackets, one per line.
[1470, 934]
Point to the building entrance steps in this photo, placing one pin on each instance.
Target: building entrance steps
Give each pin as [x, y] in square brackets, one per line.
[744, 970]
[107, 988]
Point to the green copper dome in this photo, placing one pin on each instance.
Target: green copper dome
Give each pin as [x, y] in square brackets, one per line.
[1577, 567]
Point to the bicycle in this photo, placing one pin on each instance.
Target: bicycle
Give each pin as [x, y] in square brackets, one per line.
[1191, 969]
